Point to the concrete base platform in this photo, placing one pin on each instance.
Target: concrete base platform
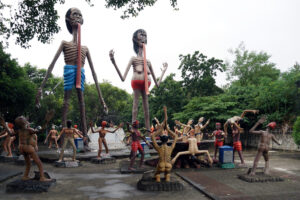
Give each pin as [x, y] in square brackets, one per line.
[6, 174]
[21, 161]
[30, 186]
[67, 164]
[8, 159]
[148, 183]
[260, 177]
[125, 164]
[108, 160]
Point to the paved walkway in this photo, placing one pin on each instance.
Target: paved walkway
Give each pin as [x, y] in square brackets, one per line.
[92, 181]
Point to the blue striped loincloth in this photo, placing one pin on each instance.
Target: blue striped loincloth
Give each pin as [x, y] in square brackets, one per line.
[70, 77]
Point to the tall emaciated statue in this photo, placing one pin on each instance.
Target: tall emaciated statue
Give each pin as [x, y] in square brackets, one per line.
[142, 69]
[74, 55]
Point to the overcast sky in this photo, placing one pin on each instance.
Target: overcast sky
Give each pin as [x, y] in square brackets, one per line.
[210, 26]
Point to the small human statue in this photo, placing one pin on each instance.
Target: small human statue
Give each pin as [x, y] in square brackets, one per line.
[27, 145]
[52, 137]
[264, 145]
[199, 127]
[102, 133]
[193, 149]
[186, 129]
[164, 151]
[219, 138]
[74, 56]
[9, 139]
[142, 69]
[234, 123]
[135, 136]
[177, 131]
[77, 135]
[69, 138]
[236, 120]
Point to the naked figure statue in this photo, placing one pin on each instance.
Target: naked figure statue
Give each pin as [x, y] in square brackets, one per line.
[74, 56]
[164, 151]
[142, 69]
[266, 137]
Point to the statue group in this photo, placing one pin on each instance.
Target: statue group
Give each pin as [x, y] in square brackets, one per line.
[74, 76]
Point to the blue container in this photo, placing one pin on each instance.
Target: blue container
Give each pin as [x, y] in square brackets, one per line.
[79, 144]
[226, 154]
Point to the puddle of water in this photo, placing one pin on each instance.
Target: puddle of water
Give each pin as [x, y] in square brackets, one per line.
[88, 176]
[114, 189]
[113, 181]
[284, 170]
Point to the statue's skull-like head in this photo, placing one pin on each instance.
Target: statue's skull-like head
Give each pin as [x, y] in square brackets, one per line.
[21, 122]
[201, 119]
[73, 17]
[139, 38]
[218, 125]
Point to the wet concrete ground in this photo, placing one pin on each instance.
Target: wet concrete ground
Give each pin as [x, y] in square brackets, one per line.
[92, 181]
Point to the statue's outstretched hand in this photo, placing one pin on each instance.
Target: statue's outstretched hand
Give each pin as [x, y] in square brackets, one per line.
[262, 119]
[111, 54]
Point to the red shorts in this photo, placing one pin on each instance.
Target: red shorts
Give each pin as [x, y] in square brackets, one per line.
[136, 145]
[237, 146]
[139, 84]
[219, 143]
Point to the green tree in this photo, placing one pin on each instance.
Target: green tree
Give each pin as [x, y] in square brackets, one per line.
[170, 93]
[31, 19]
[118, 101]
[250, 67]
[34, 18]
[16, 91]
[198, 74]
[296, 131]
[217, 108]
[132, 8]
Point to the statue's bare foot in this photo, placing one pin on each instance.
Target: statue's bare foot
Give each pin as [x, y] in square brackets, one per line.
[25, 178]
[43, 179]
[267, 172]
[9, 155]
[98, 157]
[131, 169]
[252, 173]
[210, 163]
[60, 160]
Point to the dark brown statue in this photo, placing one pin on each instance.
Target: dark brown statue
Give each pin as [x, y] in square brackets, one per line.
[263, 148]
[74, 55]
[142, 69]
[27, 144]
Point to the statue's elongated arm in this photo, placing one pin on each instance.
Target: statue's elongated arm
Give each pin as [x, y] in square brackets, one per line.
[181, 124]
[50, 68]
[248, 111]
[112, 58]
[96, 81]
[153, 138]
[165, 66]
[205, 125]
[275, 140]
[174, 136]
